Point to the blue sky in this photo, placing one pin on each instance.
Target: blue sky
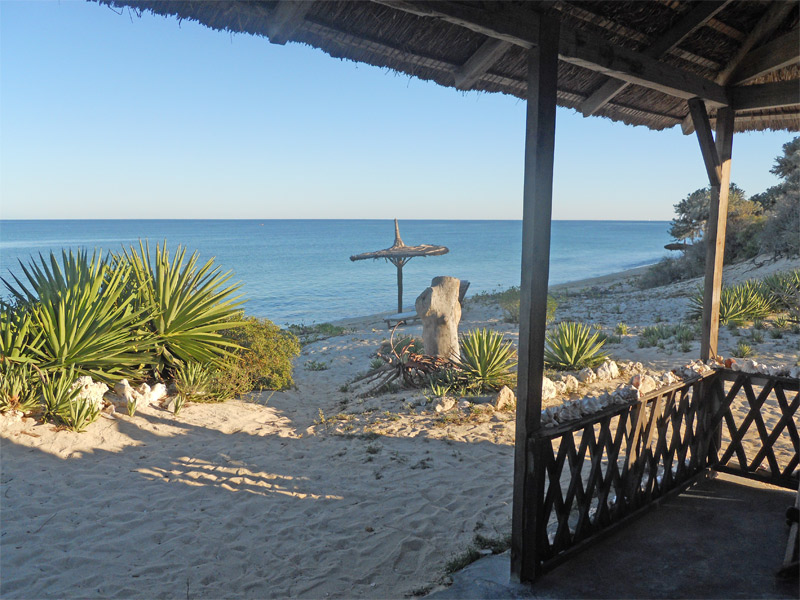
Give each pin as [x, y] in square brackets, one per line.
[106, 115]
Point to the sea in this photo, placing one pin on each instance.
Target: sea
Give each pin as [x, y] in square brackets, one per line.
[300, 272]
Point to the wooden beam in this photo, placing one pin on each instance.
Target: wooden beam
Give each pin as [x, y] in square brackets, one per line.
[518, 25]
[777, 54]
[529, 474]
[286, 18]
[772, 18]
[766, 95]
[674, 36]
[480, 62]
[715, 234]
[697, 110]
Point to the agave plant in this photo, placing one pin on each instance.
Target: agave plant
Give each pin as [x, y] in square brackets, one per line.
[20, 339]
[784, 288]
[187, 303]
[739, 303]
[573, 346]
[486, 360]
[58, 393]
[19, 387]
[193, 380]
[79, 317]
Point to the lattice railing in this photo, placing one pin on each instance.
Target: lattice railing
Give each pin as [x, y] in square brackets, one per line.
[601, 470]
[756, 417]
[604, 468]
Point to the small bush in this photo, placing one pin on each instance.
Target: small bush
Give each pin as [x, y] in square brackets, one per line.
[572, 346]
[308, 334]
[486, 360]
[316, 365]
[621, 329]
[743, 350]
[784, 289]
[193, 380]
[757, 337]
[266, 353]
[664, 272]
[739, 303]
[19, 387]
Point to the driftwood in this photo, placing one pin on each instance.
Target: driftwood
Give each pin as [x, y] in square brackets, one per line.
[413, 368]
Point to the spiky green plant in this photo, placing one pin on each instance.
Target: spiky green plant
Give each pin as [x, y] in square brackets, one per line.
[19, 387]
[177, 406]
[187, 304]
[58, 393]
[20, 338]
[743, 350]
[194, 380]
[621, 329]
[80, 310]
[784, 288]
[80, 414]
[486, 359]
[131, 407]
[739, 303]
[572, 346]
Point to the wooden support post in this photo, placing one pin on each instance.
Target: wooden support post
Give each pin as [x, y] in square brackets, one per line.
[537, 208]
[717, 157]
[399, 287]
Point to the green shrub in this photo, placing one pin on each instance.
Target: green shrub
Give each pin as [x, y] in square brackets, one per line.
[486, 360]
[57, 393]
[667, 271]
[186, 305]
[784, 289]
[266, 352]
[572, 346]
[743, 350]
[193, 380]
[308, 334]
[80, 414]
[781, 323]
[20, 387]
[757, 337]
[316, 365]
[509, 300]
[83, 315]
[739, 303]
[20, 338]
[621, 329]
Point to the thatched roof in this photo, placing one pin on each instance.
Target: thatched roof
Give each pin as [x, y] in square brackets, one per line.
[400, 253]
[743, 53]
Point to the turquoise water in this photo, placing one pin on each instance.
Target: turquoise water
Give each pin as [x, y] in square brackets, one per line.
[299, 271]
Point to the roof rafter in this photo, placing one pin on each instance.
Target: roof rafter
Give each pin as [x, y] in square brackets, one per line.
[674, 36]
[286, 18]
[777, 54]
[765, 95]
[516, 25]
[480, 62]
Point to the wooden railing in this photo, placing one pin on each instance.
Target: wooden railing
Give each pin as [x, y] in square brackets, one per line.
[608, 467]
[755, 417]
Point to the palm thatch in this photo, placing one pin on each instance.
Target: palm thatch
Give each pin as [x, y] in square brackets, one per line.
[478, 46]
[399, 254]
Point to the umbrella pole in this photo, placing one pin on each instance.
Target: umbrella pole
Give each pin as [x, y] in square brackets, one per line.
[399, 287]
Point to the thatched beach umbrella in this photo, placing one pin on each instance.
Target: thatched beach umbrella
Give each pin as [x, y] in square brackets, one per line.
[399, 254]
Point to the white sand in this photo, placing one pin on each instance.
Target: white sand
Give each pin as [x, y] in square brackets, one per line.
[255, 500]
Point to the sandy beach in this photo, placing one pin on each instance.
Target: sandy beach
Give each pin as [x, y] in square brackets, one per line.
[309, 493]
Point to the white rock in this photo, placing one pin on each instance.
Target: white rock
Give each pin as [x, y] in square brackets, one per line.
[590, 405]
[571, 383]
[464, 404]
[157, 392]
[445, 404]
[143, 389]
[561, 388]
[587, 375]
[668, 378]
[794, 372]
[548, 416]
[505, 398]
[647, 385]
[748, 366]
[15, 416]
[608, 370]
[90, 390]
[548, 389]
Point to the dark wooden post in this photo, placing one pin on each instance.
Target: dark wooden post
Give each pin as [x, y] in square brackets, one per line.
[717, 158]
[400, 286]
[536, 215]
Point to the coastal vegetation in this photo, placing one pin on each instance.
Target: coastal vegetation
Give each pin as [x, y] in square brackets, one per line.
[509, 299]
[573, 346]
[487, 360]
[132, 315]
[765, 223]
